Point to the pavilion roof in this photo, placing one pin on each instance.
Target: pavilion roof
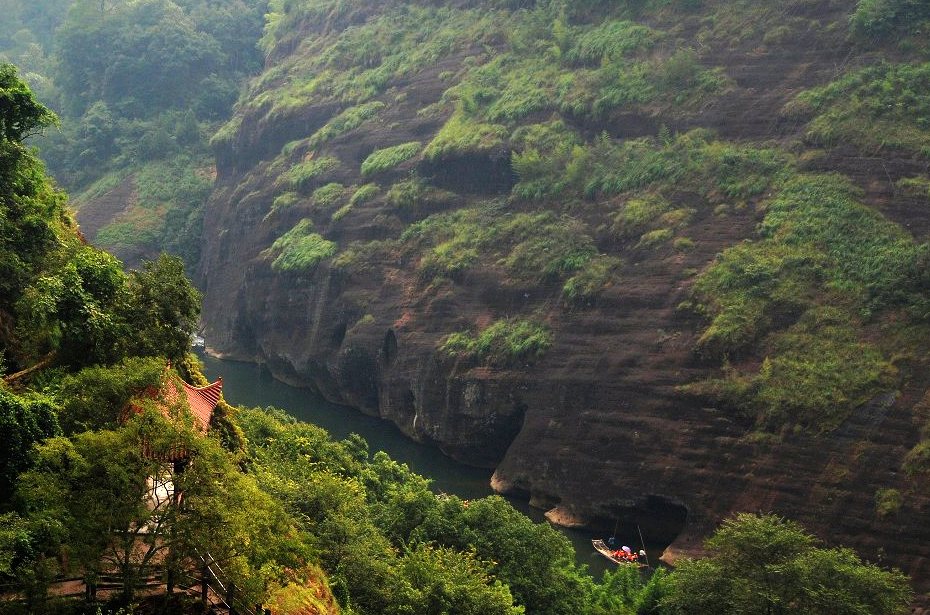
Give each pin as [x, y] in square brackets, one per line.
[202, 400]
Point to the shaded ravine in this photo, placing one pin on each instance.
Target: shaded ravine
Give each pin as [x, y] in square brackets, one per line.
[246, 384]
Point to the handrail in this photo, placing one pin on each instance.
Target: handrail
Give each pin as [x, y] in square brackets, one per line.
[237, 604]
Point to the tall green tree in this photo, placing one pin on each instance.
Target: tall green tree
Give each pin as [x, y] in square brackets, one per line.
[23, 422]
[97, 397]
[163, 308]
[535, 560]
[765, 565]
[445, 581]
[30, 208]
[20, 113]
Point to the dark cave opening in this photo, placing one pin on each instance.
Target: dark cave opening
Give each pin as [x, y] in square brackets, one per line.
[658, 518]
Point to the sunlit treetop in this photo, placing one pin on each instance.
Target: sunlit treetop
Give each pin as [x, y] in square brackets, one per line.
[21, 114]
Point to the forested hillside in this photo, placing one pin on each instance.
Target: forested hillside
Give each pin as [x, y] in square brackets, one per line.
[113, 498]
[661, 260]
[655, 261]
[141, 87]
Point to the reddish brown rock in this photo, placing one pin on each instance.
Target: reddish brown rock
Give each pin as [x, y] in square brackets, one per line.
[596, 429]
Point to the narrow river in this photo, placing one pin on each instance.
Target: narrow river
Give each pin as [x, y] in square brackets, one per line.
[246, 384]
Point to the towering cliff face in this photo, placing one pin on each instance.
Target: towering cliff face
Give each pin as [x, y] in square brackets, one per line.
[658, 263]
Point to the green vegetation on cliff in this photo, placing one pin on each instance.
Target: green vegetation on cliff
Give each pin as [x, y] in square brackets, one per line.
[96, 436]
[300, 248]
[550, 97]
[502, 343]
[883, 107]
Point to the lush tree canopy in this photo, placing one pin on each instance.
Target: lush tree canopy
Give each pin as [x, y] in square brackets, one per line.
[766, 565]
[24, 421]
[20, 113]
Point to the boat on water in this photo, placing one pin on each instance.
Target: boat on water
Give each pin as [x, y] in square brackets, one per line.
[607, 552]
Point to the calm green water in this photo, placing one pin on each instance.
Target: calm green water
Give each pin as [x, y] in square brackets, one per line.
[246, 384]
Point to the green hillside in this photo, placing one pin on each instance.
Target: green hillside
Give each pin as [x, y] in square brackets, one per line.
[293, 520]
[524, 231]
[141, 86]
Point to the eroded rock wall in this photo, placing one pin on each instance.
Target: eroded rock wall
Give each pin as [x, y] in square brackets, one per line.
[597, 427]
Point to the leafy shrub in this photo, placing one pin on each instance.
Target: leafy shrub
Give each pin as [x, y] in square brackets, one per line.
[503, 343]
[880, 18]
[558, 247]
[523, 88]
[310, 170]
[640, 163]
[814, 233]
[886, 106]
[597, 274]
[654, 238]
[887, 502]
[24, 422]
[349, 119]
[283, 201]
[341, 213]
[759, 563]
[462, 135]
[416, 197]
[677, 217]
[871, 255]
[328, 195]
[386, 159]
[611, 40]
[364, 194]
[227, 132]
[683, 244]
[533, 247]
[818, 243]
[407, 193]
[743, 172]
[638, 214]
[917, 461]
[540, 151]
[681, 69]
[818, 372]
[915, 186]
[95, 397]
[300, 249]
[747, 283]
[546, 137]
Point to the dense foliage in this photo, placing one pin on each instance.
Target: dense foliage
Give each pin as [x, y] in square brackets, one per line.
[140, 85]
[883, 107]
[282, 508]
[814, 315]
[767, 565]
[62, 301]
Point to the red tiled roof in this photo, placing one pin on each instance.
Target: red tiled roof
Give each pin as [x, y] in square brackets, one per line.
[203, 401]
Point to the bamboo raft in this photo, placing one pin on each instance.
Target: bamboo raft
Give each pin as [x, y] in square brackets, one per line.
[604, 550]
